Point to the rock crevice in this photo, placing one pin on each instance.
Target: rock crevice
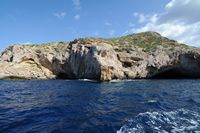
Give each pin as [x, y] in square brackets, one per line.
[138, 56]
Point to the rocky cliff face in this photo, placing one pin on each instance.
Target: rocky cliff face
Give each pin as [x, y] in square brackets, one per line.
[143, 55]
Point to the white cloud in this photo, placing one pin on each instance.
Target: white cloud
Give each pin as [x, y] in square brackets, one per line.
[77, 7]
[179, 21]
[108, 23]
[135, 14]
[60, 14]
[77, 17]
[112, 32]
[142, 18]
[77, 4]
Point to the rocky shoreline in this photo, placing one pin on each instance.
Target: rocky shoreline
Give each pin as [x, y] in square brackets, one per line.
[137, 56]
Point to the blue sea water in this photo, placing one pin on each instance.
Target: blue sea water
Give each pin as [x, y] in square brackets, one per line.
[138, 106]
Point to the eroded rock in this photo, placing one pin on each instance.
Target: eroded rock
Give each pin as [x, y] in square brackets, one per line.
[143, 55]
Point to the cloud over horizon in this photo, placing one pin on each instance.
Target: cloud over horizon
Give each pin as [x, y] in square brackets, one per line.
[60, 15]
[179, 21]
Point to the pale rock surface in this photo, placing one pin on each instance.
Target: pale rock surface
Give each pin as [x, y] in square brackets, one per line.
[144, 55]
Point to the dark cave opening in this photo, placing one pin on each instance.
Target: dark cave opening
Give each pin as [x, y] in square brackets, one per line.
[62, 76]
[175, 73]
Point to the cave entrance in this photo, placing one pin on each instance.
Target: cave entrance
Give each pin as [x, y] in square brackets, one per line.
[62, 76]
[174, 73]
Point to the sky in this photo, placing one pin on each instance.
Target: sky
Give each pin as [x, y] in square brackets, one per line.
[42, 21]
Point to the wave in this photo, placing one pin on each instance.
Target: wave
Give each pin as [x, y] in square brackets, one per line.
[112, 81]
[122, 80]
[178, 121]
[88, 80]
[152, 101]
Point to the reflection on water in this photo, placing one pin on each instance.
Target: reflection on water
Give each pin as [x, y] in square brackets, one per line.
[83, 106]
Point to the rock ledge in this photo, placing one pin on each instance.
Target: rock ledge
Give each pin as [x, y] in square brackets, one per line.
[137, 56]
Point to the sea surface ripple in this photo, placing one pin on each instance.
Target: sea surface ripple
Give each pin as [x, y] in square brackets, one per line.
[135, 106]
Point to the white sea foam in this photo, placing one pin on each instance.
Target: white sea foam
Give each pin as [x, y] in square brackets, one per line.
[88, 80]
[178, 121]
[119, 80]
[152, 101]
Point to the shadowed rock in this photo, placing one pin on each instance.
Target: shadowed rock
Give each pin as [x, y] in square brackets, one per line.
[143, 55]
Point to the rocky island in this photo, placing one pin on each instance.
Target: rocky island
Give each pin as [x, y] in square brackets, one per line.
[136, 56]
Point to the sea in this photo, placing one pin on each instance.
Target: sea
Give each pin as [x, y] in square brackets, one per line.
[85, 106]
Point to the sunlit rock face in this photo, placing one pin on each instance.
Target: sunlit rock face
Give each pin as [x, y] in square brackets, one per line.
[137, 56]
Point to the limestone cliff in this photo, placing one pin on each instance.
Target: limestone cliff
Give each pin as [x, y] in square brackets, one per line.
[143, 55]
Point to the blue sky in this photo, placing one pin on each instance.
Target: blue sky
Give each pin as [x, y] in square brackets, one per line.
[41, 21]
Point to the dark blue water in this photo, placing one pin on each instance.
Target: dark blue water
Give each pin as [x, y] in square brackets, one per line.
[80, 106]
